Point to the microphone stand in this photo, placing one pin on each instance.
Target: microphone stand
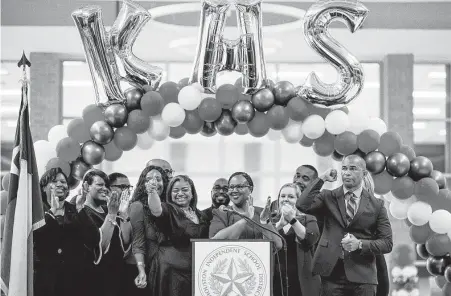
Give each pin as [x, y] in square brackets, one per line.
[284, 242]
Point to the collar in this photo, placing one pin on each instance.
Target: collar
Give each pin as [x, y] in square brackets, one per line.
[357, 192]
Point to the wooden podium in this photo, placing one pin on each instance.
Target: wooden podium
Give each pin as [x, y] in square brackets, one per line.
[232, 267]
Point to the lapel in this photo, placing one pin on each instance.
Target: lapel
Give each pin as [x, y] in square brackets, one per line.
[340, 198]
[364, 202]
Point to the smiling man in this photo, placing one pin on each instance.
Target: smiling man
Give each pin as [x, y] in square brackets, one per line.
[219, 197]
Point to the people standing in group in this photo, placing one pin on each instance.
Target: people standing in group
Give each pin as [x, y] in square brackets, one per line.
[180, 221]
[58, 249]
[300, 232]
[106, 235]
[219, 197]
[230, 225]
[356, 228]
[146, 236]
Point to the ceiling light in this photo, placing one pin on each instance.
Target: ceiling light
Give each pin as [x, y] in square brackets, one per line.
[419, 125]
[442, 132]
[429, 94]
[10, 92]
[426, 111]
[437, 75]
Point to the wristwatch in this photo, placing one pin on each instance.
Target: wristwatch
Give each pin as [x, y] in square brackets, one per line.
[360, 244]
[293, 221]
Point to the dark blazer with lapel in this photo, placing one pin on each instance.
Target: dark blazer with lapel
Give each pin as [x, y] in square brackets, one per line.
[370, 224]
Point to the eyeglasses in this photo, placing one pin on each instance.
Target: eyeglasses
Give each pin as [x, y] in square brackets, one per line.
[219, 188]
[169, 172]
[238, 187]
[123, 187]
[351, 169]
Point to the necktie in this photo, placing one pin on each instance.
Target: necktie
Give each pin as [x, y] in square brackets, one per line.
[351, 207]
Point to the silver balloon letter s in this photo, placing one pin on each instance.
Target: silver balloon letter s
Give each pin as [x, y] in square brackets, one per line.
[109, 55]
[350, 72]
[98, 54]
[216, 54]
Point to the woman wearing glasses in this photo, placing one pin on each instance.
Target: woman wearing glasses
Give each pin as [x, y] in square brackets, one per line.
[180, 221]
[146, 237]
[229, 225]
[301, 233]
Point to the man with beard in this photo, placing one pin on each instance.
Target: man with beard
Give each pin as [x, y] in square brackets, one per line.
[219, 197]
[166, 166]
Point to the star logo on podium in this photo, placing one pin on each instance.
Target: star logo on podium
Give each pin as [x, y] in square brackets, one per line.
[232, 280]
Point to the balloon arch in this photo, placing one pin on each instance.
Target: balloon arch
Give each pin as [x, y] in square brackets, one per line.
[314, 114]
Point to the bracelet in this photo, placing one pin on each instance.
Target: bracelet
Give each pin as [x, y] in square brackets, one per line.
[112, 221]
[293, 221]
[140, 264]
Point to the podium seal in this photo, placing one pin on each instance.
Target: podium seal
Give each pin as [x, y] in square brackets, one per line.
[232, 270]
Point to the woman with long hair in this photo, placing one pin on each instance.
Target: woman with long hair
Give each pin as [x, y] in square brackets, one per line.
[383, 286]
[146, 237]
[301, 234]
[57, 248]
[179, 220]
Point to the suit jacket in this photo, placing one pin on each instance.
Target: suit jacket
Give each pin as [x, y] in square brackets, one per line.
[370, 224]
[223, 220]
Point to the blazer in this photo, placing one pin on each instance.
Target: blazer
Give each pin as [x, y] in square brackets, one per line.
[223, 220]
[370, 224]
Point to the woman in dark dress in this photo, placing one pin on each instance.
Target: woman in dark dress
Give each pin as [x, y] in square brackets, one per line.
[57, 248]
[146, 237]
[301, 233]
[180, 221]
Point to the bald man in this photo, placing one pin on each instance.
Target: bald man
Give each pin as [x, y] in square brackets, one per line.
[356, 229]
[162, 164]
[219, 196]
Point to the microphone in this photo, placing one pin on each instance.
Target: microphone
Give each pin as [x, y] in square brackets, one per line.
[230, 209]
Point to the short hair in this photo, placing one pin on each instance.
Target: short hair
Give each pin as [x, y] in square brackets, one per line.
[245, 176]
[312, 168]
[46, 178]
[114, 176]
[89, 177]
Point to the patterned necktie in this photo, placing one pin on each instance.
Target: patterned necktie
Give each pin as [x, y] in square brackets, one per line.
[351, 207]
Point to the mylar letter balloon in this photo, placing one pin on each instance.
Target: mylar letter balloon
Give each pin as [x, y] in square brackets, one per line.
[116, 115]
[398, 165]
[243, 111]
[101, 132]
[92, 153]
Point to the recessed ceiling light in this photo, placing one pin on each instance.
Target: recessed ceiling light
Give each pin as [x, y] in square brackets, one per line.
[442, 132]
[437, 75]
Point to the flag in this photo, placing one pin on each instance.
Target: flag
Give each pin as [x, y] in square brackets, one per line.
[24, 212]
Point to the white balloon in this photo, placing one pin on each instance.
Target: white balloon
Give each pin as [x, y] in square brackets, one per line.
[440, 221]
[173, 114]
[198, 86]
[337, 122]
[313, 127]
[145, 141]
[419, 213]
[292, 133]
[398, 208]
[158, 129]
[189, 97]
[378, 125]
[57, 133]
[358, 119]
[274, 135]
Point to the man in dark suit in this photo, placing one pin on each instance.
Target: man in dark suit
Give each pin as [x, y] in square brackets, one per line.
[219, 197]
[356, 228]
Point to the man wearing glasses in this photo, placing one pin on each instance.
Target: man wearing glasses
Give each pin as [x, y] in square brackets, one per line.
[219, 197]
[162, 164]
[356, 229]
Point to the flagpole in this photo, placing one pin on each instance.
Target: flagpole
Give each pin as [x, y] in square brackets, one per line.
[24, 63]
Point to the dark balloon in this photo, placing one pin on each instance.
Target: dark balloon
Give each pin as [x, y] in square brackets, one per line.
[78, 130]
[79, 169]
[116, 115]
[298, 109]
[390, 143]
[112, 152]
[241, 129]
[360, 153]
[420, 167]
[243, 111]
[177, 132]
[375, 162]
[263, 100]
[92, 153]
[440, 280]
[72, 182]
[169, 91]
[152, 103]
[91, 114]
[408, 151]
[448, 274]
[209, 109]
[101, 132]
[277, 117]
[438, 245]
[306, 141]
[383, 182]
[336, 156]
[183, 82]
[133, 99]
[138, 121]
[208, 130]
[437, 265]
[324, 145]
[439, 178]
[225, 124]
[283, 92]
[259, 125]
[227, 95]
[270, 84]
[125, 139]
[420, 234]
[345, 143]
[422, 251]
[192, 123]
[398, 165]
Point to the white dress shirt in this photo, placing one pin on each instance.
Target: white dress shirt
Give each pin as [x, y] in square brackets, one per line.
[357, 192]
